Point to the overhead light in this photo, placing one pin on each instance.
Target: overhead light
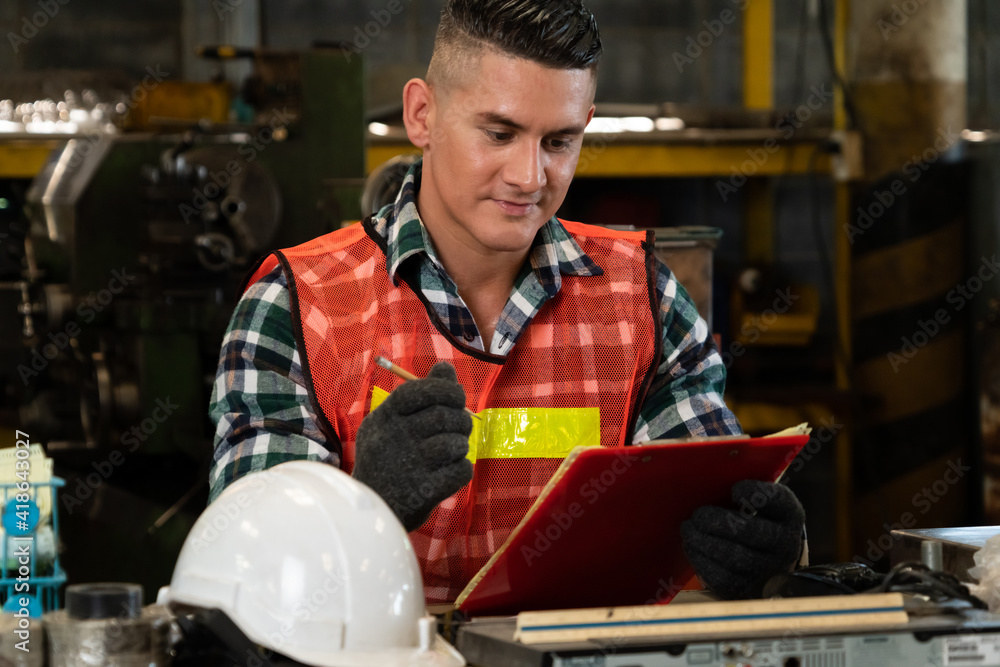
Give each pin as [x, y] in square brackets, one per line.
[975, 135]
[665, 124]
[638, 124]
[380, 129]
[610, 125]
[605, 125]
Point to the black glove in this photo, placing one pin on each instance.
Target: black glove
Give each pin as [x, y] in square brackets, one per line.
[735, 552]
[411, 449]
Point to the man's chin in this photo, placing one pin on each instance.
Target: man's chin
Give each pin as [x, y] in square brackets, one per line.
[515, 232]
[517, 242]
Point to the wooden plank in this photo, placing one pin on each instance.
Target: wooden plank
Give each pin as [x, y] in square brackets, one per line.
[713, 618]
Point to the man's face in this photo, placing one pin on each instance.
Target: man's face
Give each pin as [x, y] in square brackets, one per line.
[502, 148]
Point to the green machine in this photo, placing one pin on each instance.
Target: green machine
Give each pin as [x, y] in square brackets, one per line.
[137, 246]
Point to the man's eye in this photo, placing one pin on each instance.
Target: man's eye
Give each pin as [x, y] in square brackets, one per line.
[559, 144]
[499, 136]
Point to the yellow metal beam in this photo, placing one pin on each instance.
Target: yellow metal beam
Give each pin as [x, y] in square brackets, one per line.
[599, 159]
[639, 160]
[24, 159]
[758, 54]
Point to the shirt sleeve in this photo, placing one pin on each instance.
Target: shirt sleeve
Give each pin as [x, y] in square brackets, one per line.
[685, 397]
[260, 405]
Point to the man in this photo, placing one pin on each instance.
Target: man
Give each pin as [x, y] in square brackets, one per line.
[540, 321]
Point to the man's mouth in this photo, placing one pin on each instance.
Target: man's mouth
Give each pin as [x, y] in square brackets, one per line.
[517, 208]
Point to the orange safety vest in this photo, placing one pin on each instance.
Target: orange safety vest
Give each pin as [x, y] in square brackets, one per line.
[593, 345]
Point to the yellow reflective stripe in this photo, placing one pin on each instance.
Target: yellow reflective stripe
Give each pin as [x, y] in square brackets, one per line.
[522, 433]
[545, 433]
[378, 395]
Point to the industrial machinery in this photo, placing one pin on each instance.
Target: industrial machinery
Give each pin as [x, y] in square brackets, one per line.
[943, 637]
[119, 294]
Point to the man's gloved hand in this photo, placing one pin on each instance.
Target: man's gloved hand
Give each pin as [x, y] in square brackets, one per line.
[735, 552]
[411, 449]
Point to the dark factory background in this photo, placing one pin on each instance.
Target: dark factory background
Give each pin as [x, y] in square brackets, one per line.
[849, 162]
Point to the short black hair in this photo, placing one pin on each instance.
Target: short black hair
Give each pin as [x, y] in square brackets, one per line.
[561, 34]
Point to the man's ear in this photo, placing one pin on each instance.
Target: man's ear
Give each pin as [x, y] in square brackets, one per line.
[418, 112]
[590, 115]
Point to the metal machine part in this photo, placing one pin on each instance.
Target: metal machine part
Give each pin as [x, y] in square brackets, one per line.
[688, 252]
[205, 214]
[972, 637]
[249, 200]
[224, 209]
[106, 600]
[383, 184]
[958, 546]
[116, 641]
[134, 248]
[58, 189]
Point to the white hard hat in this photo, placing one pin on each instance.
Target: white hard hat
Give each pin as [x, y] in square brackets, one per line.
[312, 564]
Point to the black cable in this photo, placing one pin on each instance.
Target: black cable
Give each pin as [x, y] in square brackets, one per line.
[800, 69]
[798, 84]
[827, 34]
[915, 577]
[822, 249]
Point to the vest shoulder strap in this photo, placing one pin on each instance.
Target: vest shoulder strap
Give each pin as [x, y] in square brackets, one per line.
[331, 242]
[596, 231]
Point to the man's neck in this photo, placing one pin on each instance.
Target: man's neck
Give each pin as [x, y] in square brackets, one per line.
[484, 278]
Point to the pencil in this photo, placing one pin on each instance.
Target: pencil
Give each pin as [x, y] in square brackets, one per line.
[407, 375]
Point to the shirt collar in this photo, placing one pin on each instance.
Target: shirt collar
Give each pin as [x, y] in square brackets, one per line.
[554, 251]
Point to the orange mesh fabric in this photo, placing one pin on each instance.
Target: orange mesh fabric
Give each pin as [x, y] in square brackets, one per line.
[592, 345]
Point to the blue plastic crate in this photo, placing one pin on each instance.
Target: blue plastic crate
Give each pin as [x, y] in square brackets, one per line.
[44, 584]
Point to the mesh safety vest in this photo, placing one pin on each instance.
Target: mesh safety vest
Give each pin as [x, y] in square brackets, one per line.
[593, 347]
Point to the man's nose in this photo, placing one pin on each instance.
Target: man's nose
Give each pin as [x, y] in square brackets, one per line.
[526, 168]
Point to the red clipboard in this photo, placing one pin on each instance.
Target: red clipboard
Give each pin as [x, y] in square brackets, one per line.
[605, 530]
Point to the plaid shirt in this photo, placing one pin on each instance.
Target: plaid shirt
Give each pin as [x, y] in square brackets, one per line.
[261, 406]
